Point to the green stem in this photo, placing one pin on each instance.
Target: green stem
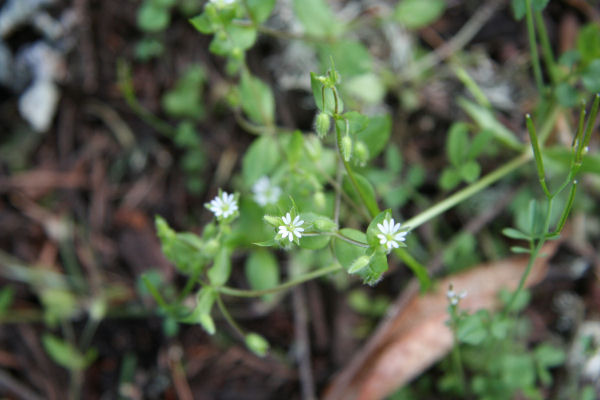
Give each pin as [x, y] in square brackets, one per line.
[534, 255]
[372, 211]
[546, 47]
[535, 59]
[228, 317]
[469, 191]
[284, 286]
[347, 239]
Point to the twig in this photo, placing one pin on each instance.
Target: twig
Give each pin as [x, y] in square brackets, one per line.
[14, 386]
[460, 40]
[307, 383]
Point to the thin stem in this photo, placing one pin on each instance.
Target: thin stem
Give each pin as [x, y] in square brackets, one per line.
[228, 317]
[546, 47]
[284, 286]
[535, 59]
[469, 191]
[347, 239]
[351, 176]
[534, 255]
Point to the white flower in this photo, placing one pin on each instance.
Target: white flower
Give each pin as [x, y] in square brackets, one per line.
[454, 297]
[389, 236]
[223, 205]
[264, 192]
[291, 228]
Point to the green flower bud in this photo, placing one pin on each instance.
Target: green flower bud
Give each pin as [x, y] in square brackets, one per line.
[361, 152]
[324, 224]
[257, 344]
[319, 200]
[322, 124]
[346, 148]
[358, 264]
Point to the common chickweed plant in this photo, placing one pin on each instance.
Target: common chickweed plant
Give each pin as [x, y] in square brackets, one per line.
[311, 200]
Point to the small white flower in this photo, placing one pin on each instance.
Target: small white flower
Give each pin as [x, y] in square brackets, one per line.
[265, 193]
[389, 236]
[291, 228]
[454, 297]
[223, 205]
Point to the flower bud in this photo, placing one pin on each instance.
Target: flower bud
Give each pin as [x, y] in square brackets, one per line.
[257, 344]
[361, 152]
[324, 224]
[346, 148]
[211, 247]
[322, 124]
[359, 264]
[319, 200]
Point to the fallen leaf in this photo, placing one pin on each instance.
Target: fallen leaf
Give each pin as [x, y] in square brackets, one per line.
[416, 337]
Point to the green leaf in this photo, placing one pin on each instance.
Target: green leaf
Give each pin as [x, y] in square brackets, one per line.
[316, 17]
[393, 159]
[470, 171]
[202, 23]
[518, 370]
[6, 298]
[260, 9]
[257, 100]
[262, 271]
[67, 355]
[515, 234]
[478, 144]
[148, 48]
[185, 99]
[519, 8]
[376, 134]
[520, 302]
[366, 87]
[318, 95]
[566, 95]
[549, 356]
[346, 253]
[232, 40]
[520, 250]
[219, 273]
[591, 76]
[500, 327]
[457, 143]
[205, 300]
[295, 148]
[182, 249]
[487, 121]
[449, 179]
[471, 329]
[260, 159]
[416, 14]
[373, 230]
[152, 18]
[588, 42]
[351, 58]
[374, 271]
[366, 190]
[357, 122]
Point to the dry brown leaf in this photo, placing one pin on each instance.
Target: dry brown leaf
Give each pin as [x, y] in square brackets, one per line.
[417, 337]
